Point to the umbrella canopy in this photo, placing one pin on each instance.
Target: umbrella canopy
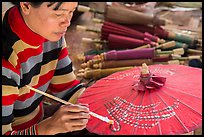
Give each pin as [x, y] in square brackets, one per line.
[173, 107]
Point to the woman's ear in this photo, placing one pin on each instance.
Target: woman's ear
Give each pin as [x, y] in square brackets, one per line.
[25, 7]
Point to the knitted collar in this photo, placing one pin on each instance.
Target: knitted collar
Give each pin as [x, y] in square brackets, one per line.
[19, 27]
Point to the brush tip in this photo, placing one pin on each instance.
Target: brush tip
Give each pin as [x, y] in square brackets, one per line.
[111, 122]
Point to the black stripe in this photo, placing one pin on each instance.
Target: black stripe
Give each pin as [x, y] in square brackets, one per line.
[28, 76]
[65, 70]
[8, 38]
[8, 81]
[51, 55]
[7, 119]
[33, 130]
[26, 111]
[28, 131]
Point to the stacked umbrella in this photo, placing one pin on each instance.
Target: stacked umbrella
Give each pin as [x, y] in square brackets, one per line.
[119, 41]
[116, 60]
[113, 34]
[124, 16]
[168, 35]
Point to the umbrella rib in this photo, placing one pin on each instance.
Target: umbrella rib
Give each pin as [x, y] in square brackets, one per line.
[152, 102]
[177, 90]
[175, 114]
[183, 104]
[112, 84]
[111, 96]
[103, 91]
[135, 129]
[101, 107]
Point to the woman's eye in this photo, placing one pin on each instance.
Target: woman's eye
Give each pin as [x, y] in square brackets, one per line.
[59, 15]
[71, 12]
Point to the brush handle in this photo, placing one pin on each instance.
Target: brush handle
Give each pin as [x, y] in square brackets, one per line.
[67, 103]
[49, 96]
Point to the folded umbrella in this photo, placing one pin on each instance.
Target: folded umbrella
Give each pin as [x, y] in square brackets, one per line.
[124, 15]
[135, 62]
[99, 73]
[160, 33]
[119, 42]
[113, 28]
[127, 16]
[122, 42]
[166, 99]
[145, 53]
[121, 63]
[154, 30]
[167, 35]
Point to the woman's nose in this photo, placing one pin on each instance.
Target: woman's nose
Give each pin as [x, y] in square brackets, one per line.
[66, 21]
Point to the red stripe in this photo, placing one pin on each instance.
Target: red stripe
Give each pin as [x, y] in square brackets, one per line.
[26, 96]
[61, 87]
[9, 100]
[8, 65]
[30, 123]
[45, 78]
[18, 26]
[29, 52]
[63, 53]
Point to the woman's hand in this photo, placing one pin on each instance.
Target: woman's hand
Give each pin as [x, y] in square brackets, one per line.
[68, 118]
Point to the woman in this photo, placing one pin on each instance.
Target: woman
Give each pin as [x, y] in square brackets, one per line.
[35, 54]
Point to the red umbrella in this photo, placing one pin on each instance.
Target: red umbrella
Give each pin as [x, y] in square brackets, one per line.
[154, 30]
[123, 42]
[173, 107]
[113, 28]
[162, 33]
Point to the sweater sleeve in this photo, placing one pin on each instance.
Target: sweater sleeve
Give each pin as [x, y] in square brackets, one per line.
[64, 77]
[10, 92]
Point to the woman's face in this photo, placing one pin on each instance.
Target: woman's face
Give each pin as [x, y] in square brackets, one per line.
[50, 24]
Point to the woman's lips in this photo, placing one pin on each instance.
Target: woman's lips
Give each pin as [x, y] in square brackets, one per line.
[61, 33]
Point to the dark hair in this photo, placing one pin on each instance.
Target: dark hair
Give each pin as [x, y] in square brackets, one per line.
[37, 4]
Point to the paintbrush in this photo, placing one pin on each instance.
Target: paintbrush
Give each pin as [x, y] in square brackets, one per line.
[105, 119]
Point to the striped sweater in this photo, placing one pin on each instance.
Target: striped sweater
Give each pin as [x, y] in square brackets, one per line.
[29, 59]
